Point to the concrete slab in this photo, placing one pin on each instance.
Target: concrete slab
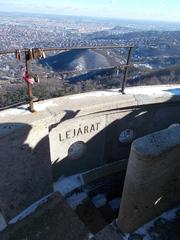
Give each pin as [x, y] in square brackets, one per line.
[104, 171]
[108, 233]
[53, 220]
[90, 216]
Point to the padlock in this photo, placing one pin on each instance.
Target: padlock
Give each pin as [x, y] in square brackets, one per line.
[36, 53]
[43, 55]
[36, 78]
[30, 54]
[18, 55]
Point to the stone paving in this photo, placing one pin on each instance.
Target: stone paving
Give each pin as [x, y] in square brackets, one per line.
[162, 229]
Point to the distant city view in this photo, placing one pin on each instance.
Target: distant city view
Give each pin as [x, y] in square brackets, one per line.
[155, 58]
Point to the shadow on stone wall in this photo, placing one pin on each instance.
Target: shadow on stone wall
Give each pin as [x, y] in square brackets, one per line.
[105, 146]
[25, 172]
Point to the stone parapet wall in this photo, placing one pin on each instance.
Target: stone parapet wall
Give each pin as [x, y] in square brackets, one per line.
[69, 135]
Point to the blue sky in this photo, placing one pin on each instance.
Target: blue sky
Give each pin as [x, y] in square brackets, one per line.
[166, 10]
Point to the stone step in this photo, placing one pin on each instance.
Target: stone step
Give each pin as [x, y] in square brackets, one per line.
[108, 233]
[53, 220]
[108, 213]
[104, 171]
[90, 216]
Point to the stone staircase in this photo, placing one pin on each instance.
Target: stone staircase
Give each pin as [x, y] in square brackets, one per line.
[56, 220]
[108, 233]
[79, 208]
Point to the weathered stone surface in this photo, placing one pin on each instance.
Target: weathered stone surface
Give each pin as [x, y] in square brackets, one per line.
[91, 216]
[142, 121]
[25, 169]
[165, 229]
[152, 183]
[178, 213]
[77, 145]
[3, 223]
[135, 236]
[104, 171]
[108, 213]
[53, 220]
[108, 233]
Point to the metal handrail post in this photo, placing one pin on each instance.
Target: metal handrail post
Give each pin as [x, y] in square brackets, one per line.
[126, 70]
[29, 86]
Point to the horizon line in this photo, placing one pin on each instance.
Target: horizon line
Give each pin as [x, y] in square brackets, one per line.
[94, 17]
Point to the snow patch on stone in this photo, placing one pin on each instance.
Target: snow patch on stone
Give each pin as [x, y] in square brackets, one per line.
[143, 231]
[91, 236]
[14, 111]
[115, 203]
[23, 110]
[3, 223]
[43, 105]
[159, 90]
[95, 94]
[145, 65]
[29, 210]
[99, 200]
[76, 199]
[65, 185]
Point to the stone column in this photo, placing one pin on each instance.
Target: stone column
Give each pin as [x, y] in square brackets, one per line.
[152, 182]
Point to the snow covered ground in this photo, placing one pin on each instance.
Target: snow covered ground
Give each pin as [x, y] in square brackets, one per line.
[157, 227]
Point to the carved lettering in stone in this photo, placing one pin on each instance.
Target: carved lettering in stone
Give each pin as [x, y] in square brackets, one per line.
[79, 131]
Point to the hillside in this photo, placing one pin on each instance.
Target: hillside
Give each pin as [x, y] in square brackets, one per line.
[80, 60]
[163, 76]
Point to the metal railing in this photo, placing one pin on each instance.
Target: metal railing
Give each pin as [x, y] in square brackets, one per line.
[27, 64]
